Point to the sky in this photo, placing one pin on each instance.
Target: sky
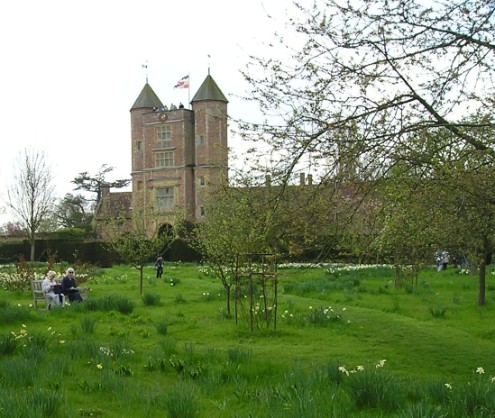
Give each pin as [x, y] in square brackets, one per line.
[71, 71]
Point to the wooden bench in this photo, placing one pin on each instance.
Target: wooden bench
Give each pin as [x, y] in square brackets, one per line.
[40, 296]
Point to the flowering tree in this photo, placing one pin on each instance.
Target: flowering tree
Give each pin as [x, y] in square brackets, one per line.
[358, 79]
[353, 88]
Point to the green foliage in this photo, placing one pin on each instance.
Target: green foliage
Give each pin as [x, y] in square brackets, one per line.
[17, 372]
[438, 311]
[88, 325]
[74, 213]
[68, 234]
[151, 299]
[7, 344]
[47, 402]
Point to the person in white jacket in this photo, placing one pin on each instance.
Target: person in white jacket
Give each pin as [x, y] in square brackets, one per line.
[48, 286]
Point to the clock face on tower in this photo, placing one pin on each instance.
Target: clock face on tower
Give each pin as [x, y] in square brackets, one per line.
[163, 116]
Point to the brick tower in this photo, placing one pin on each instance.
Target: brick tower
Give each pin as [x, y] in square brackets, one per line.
[177, 153]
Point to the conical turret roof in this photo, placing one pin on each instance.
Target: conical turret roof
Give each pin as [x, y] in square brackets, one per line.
[147, 98]
[209, 91]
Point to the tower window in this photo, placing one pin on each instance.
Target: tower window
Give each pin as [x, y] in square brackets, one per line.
[138, 145]
[164, 159]
[202, 180]
[201, 140]
[202, 211]
[164, 198]
[163, 134]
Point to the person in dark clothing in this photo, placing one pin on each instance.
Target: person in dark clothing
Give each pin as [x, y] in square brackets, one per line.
[70, 287]
[159, 263]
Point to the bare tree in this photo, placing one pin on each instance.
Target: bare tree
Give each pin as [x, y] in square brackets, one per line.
[30, 195]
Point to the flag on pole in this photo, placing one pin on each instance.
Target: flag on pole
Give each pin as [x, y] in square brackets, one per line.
[183, 83]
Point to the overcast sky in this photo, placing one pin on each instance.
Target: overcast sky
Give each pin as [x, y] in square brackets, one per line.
[70, 72]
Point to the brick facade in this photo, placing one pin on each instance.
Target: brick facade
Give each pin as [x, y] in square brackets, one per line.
[177, 155]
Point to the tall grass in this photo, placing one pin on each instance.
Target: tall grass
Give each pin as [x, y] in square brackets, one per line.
[10, 314]
[181, 401]
[184, 359]
[151, 299]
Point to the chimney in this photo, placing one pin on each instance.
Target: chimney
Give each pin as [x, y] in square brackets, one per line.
[105, 190]
[301, 179]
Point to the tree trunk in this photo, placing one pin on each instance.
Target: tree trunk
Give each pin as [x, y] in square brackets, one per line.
[32, 239]
[487, 251]
[227, 291]
[482, 284]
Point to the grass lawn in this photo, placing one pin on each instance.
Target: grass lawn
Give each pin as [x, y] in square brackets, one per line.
[346, 343]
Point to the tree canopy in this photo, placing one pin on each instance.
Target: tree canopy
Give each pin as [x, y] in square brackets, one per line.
[359, 79]
[397, 94]
[94, 183]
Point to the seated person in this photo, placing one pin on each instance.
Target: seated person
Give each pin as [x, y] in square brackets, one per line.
[69, 286]
[52, 291]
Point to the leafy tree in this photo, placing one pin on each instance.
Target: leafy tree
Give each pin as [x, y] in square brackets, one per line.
[231, 227]
[94, 183]
[253, 218]
[30, 195]
[73, 211]
[137, 241]
[447, 201]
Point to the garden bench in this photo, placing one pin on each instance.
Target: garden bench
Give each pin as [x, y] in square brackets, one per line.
[40, 296]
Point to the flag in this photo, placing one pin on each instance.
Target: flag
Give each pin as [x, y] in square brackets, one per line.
[183, 83]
